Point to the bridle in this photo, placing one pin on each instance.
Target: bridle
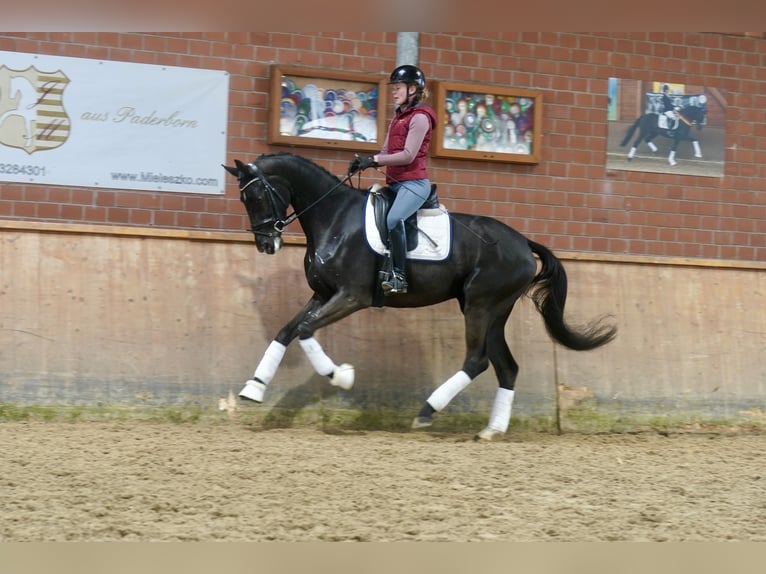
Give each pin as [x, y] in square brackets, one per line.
[276, 224]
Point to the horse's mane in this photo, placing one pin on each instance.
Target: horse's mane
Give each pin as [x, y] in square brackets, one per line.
[305, 161]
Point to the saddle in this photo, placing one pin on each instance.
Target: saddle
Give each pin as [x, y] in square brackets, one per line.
[662, 123]
[383, 197]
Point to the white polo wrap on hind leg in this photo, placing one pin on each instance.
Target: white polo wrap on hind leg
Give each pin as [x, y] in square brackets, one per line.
[319, 360]
[501, 410]
[448, 390]
[269, 364]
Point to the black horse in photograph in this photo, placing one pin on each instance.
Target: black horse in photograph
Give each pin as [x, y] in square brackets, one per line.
[648, 127]
[490, 266]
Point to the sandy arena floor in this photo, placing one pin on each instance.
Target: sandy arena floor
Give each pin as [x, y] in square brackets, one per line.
[143, 481]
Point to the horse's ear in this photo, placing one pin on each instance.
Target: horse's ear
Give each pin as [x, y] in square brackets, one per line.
[232, 170]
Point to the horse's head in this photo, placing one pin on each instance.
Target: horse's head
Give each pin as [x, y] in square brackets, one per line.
[266, 206]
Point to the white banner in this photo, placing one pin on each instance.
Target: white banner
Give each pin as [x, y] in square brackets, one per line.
[95, 123]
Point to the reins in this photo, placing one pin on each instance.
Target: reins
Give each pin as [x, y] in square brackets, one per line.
[279, 224]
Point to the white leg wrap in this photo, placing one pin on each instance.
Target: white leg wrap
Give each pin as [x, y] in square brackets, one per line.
[319, 360]
[447, 391]
[500, 415]
[672, 158]
[697, 150]
[652, 146]
[264, 372]
[631, 153]
[269, 364]
[501, 410]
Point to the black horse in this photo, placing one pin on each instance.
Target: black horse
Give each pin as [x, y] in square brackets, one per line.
[648, 129]
[490, 266]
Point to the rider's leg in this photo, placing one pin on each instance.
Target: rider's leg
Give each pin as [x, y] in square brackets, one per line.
[410, 195]
[397, 281]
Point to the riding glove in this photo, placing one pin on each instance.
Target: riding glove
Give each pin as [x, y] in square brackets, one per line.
[361, 163]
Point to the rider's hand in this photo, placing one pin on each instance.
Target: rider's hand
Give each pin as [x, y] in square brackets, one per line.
[361, 163]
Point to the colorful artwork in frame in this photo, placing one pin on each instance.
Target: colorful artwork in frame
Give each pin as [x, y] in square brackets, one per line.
[487, 123]
[313, 108]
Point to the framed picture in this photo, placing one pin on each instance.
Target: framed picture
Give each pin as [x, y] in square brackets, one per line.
[487, 123]
[660, 126]
[314, 108]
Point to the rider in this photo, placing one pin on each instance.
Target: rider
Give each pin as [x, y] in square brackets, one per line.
[668, 109]
[404, 153]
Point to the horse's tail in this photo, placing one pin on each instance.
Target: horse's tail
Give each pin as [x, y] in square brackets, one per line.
[631, 130]
[548, 290]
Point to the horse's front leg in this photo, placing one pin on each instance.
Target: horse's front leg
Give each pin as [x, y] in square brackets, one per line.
[255, 388]
[336, 308]
[314, 315]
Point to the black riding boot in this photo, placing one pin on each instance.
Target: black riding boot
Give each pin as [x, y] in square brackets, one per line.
[397, 283]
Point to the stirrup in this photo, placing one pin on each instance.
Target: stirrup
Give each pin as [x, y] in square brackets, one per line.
[395, 284]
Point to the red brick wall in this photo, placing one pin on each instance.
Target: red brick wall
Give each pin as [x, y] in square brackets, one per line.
[568, 201]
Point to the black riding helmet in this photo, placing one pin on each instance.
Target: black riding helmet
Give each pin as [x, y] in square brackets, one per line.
[408, 74]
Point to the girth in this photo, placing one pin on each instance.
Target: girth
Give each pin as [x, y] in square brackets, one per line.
[383, 198]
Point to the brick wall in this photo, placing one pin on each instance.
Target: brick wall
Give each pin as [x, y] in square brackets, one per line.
[569, 201]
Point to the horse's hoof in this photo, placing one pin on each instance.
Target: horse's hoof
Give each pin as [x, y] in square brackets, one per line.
[422, 422]
[343, 376]
[629, 159]
[253, 391]
[488, 434]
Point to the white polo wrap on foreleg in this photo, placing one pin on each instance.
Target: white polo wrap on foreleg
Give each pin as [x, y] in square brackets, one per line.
[448, 390]
[255, 388]
[269, 364]
[501, 410]
[319, 360]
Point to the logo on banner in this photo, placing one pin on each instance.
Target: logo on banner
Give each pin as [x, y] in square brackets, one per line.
[32, 114]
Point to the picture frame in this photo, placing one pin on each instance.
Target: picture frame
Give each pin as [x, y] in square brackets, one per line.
[641, 136]
[488, 123]
[327, 109]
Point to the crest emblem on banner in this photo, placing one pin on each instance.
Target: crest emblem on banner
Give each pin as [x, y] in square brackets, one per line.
[32, 114]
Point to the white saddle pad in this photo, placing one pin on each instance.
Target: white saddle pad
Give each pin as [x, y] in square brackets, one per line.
[434, 233]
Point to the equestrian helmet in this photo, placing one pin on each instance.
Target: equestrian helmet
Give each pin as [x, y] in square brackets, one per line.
[408, 74]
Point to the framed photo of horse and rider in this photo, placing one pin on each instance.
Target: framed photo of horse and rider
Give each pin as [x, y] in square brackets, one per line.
[665, 127]
[652, 125]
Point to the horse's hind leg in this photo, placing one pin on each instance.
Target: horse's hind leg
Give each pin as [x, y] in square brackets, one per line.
[506, 370]
[672, 154]
[485, 342]
[475, 363]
